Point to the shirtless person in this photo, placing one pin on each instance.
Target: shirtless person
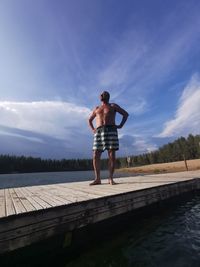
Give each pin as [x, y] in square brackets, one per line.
[105, 134]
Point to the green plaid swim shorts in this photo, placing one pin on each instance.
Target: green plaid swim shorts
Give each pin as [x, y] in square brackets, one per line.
[106, 138]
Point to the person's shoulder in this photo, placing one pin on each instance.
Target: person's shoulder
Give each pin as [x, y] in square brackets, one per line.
[114, 105]
[96, 108]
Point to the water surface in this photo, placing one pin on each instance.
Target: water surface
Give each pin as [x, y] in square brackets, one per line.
[168, 239]
[43, 178]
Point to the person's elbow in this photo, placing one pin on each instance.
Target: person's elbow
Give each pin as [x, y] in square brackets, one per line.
[126, 115]
[90, 120]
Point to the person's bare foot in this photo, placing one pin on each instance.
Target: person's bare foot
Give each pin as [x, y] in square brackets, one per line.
[111, 181]
[95, 182]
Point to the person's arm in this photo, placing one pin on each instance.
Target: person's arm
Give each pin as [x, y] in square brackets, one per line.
[90, 120]
[124, 114]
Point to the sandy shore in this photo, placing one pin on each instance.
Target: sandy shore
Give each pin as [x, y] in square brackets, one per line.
[164, 167]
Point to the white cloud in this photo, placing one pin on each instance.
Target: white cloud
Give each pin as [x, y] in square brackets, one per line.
[55, 119]
[187, 117]
[138, 107]
[140, 61]
[134, 145]
[144, 146]
[29, 138]
[126, 55]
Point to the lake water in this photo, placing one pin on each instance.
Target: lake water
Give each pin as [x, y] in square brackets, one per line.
[168, 239]
[29, 179]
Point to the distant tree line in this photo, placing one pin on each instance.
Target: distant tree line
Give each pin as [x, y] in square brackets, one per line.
[15, 164]
[182, 147]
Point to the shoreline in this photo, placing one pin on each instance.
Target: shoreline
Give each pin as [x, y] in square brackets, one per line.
[178, 166]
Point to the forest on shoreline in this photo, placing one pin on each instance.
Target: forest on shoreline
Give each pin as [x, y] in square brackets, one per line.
[182, 148]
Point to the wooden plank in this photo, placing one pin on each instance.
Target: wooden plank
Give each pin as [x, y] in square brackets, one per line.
[66, 194]
[71, 196]
[77, 191]
[19, 207]
[2, 203]
[37, 197]
[45, 201]
[102, 190]
[45, 194]
[51, 195]
[29, 197]
[25, 202]
[10, 209]
[97, 190]
[62, 195]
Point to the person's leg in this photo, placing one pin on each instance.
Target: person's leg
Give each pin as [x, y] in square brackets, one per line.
[96, 165]
[111, 166]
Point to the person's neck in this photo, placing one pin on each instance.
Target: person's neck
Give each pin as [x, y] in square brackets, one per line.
[104, 103]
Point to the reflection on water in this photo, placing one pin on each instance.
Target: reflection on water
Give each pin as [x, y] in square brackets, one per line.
[170, 239]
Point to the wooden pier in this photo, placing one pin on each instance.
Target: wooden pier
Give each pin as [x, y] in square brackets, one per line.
[35, 213]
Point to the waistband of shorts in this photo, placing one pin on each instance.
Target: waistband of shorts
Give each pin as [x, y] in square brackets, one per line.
[106, 126]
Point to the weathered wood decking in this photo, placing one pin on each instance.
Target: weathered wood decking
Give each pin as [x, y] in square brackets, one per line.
[31, 214]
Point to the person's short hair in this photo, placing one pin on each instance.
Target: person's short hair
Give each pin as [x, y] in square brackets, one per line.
[106, 95]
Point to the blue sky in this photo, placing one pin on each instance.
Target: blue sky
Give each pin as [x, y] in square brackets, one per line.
[57, 57]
